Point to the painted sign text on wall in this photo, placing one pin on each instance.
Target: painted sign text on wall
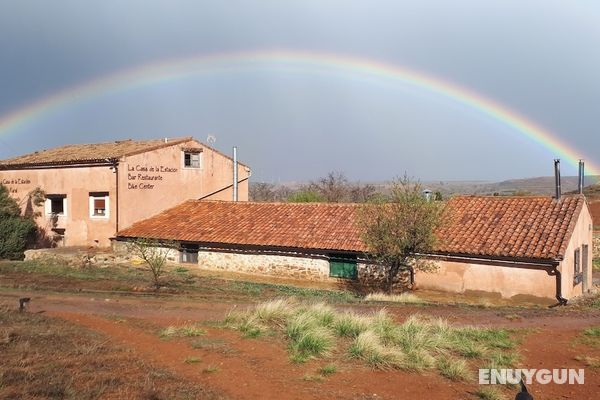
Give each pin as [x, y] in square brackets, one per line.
[14, 181]
[144, 177]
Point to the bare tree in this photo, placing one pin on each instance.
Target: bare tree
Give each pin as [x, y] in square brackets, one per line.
[262, 191]
[154, 254]
[334, 188]
[399, 231]
[362, 193]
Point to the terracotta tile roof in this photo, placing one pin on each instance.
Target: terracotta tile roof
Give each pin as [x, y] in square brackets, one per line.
[296, 225]
[88, 153]
[509, 227]
[495, 227]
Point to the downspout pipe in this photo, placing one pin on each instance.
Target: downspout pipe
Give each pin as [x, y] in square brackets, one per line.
[561, 300]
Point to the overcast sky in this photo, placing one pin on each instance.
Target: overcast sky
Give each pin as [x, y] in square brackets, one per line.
[539, 58]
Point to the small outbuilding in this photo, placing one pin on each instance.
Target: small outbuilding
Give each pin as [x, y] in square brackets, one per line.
[512, 247]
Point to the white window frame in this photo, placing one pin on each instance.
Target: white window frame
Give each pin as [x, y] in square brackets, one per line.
[48, 206]
[191, 153]
[106, 205]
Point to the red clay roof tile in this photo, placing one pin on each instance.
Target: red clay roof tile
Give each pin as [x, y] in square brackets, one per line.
[499, 227]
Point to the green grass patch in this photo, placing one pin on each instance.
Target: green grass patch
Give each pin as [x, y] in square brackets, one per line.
[420, 343]
[590, 337]
[596, 264]
[277, 290]
[192, 360]
[210, 369]
[328, 369]
[592, 332]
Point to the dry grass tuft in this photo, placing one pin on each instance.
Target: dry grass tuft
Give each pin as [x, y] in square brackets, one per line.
[403, 298]
[419, 343]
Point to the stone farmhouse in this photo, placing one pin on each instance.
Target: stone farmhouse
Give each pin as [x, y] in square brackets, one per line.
[93, 190]
[512, 247]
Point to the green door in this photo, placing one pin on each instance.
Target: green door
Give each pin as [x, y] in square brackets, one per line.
[343, 269]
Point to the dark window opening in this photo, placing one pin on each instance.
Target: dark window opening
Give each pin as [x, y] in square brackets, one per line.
[57, 204]
[189, 254]
[577, 275]
[343, 266]
[191, 160]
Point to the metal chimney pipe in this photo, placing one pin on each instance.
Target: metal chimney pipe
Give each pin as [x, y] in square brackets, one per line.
[235, 174]
[581, 176]
[557, 178]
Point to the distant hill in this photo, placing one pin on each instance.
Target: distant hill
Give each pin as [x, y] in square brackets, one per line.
[533, 186]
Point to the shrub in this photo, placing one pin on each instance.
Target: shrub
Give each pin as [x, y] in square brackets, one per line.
[15, 233]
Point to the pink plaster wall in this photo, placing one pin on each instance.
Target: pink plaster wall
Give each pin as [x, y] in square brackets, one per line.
[505, 281]
[510, 281]
[76, 184]
[139, 198]
[583, 234]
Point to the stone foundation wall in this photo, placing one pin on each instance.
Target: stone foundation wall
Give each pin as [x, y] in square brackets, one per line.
[370, 277]
[314, 269]
[122, 249]
[373, 278]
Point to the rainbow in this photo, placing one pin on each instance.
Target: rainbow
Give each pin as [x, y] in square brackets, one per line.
[175, 69]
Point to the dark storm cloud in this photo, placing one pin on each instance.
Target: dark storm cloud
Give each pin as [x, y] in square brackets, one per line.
[539, 58]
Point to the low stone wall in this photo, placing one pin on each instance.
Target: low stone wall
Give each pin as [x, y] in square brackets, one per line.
[596, 245]
[76, 257]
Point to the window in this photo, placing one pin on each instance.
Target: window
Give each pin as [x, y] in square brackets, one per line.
[189, 254]
[99, 205]
[343, 266]
[56, 204]
[577, 275]
[191, 159]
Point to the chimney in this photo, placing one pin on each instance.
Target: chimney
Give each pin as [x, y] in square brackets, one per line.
[581, 176]
[557, 178]
[235, 174]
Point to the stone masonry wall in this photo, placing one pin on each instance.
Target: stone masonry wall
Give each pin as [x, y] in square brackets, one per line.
[596, 245]
[370, 277]
[373, 278]
[314, 269]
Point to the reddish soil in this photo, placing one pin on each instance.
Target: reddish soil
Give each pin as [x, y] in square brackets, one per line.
[260, 368]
